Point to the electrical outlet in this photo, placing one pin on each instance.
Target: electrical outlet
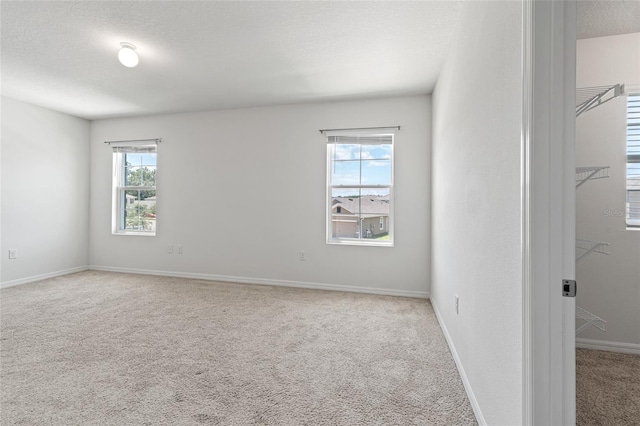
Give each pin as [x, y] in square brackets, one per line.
[180, 249]
[170, 249]
[302, 256]
[457, 304]
[13, 253]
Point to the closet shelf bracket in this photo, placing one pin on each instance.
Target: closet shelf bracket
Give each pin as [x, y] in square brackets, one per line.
[584, 174]
[588, 98]
[585, 247]
[589, 320]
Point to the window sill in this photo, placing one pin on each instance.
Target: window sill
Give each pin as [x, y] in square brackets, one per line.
[135, 234]
[360, 243]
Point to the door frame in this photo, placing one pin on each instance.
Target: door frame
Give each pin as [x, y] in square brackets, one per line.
[548, 206]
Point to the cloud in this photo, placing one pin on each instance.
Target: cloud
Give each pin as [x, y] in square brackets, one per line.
[346, 179]
[378, 163]
[346, 152]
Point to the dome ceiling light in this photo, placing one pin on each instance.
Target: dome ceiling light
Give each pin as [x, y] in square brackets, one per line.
[127, 55]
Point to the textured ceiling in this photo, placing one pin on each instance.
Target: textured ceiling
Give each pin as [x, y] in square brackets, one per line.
[607, 18]
[197, 55]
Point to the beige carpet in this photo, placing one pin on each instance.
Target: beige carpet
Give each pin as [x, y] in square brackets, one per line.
[608, 388]
[98, 348]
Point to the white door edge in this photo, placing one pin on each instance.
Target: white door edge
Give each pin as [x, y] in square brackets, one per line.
[548, 206]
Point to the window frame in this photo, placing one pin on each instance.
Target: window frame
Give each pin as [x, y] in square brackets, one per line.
[360, 241]
[119, 198]
[632, 223]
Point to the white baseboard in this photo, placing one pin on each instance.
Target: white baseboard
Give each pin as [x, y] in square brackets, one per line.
[605, 345]
[465, 380]
[42, 276]
[265, 281]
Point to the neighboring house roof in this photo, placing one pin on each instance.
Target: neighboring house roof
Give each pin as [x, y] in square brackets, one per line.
[368, 206]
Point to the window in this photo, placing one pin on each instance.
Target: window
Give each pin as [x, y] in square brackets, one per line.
[633, 160]
[134, 190]
[360, 189]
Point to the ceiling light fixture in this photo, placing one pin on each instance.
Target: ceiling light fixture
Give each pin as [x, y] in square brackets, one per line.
[127, 55]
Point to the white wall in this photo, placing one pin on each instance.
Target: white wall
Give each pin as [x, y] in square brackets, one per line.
[45, 191]
[244, 190]
[476, 227]
[608, 286]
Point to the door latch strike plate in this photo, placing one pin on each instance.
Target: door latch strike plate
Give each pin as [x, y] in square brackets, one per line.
[569, 288]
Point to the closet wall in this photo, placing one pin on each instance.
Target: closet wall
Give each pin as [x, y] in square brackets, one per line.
[476, 207]
[608, 286]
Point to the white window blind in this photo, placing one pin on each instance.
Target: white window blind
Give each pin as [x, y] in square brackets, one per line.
[135, 149]
[364, 139]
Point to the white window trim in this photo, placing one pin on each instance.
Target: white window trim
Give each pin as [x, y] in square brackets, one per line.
[329, 186]
[116, 201]
[628, 219]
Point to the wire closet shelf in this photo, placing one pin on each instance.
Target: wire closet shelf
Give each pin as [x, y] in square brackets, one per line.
[589, 320]
[586, 247]
[584, 174]
[588, 98]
